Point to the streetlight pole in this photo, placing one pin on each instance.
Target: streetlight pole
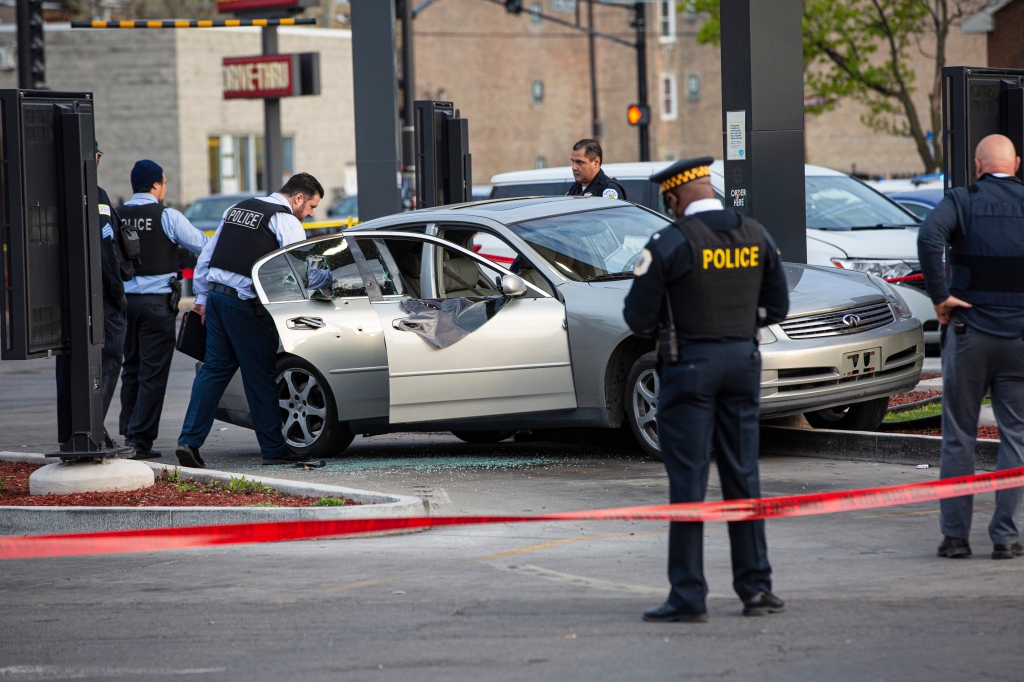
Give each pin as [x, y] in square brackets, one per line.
[640, 24]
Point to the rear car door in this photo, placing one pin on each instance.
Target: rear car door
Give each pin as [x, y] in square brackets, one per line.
[518, 361]
[335, 329]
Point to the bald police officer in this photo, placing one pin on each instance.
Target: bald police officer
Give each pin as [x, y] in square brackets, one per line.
[591, 181]
[703, 286]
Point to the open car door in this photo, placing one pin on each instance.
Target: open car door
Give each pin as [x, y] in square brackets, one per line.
[517, 361]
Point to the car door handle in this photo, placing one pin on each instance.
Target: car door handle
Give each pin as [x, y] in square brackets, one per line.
[306, 323]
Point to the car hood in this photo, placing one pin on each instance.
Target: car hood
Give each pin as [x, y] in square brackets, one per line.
[812, 289]
[876, 244]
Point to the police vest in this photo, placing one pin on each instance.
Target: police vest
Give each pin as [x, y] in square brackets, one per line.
[719, 295]
[159, 255]
[987, 265]
[246, 236]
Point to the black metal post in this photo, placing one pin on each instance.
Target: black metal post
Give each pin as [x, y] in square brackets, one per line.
[273, 142]
[408, 92]
[31, 45]
[640, 23]
[763, 117]
[591, 47]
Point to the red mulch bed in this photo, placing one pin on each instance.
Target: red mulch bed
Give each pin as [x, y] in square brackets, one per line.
[926, 377]
[163, 494]
[988, 432]
[913, 397]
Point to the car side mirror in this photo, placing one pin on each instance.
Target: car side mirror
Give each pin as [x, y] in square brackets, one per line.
[512, 286]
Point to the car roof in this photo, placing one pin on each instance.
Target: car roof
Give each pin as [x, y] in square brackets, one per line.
[621, 171]
[218, 197]
[507, 211]
[925, 196]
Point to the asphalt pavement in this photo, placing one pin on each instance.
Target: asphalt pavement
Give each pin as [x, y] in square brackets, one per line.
[867, 598]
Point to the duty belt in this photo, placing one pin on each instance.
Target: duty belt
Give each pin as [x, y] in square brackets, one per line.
[221, 289]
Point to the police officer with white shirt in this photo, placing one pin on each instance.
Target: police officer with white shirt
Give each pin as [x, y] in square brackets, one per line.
[153, 296]
[703, 286]
[239, 332]
[591, 181]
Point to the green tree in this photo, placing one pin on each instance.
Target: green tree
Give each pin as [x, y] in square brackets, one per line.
[861, 50]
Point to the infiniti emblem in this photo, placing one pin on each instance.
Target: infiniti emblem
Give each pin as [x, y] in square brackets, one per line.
[851, 321]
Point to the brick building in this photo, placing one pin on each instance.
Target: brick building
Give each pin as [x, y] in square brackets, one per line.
[158, 95]
[1002, 24]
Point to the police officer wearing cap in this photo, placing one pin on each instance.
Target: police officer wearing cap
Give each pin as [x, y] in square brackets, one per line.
[153, 296]
[114, 322]
[982, 304]
[239, 332]
[591, 181]
[703, 286]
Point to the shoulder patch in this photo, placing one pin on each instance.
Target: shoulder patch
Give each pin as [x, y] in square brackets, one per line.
[105, 210]
[610, 194]
[644, 265]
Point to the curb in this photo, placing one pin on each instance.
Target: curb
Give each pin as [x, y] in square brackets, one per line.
[54, 520]
[870, 446]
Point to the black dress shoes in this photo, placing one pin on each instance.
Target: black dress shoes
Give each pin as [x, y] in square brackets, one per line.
[188, 456]
[1007, 551]
[955, 548]
[144, 454]
[666, 613]
[763, 604]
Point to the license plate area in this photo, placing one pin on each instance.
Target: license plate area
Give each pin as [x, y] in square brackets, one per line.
[861, 362]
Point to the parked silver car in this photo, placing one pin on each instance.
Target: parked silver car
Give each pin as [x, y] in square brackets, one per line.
[554, 350]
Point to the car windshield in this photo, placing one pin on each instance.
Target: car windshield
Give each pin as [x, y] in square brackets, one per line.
[211, 208]
[838, 202]
[602, 244]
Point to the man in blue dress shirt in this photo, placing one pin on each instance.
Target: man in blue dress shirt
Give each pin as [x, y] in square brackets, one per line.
[239, 332]
[152, 304]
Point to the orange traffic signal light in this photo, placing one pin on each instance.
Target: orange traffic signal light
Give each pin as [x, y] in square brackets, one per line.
[638, 114]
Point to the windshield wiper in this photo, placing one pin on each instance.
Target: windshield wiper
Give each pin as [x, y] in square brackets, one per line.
[881, 226]
[626, 274]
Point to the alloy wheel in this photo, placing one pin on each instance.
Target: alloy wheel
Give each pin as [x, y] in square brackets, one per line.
[645, 406]
[303, 407]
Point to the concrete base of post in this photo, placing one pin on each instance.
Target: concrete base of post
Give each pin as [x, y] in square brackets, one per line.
[106, 475]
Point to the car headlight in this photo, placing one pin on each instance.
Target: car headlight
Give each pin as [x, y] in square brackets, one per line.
[765, 336]
[899, 307]
[886, 269]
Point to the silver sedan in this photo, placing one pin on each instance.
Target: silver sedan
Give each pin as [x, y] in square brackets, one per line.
[552, 349]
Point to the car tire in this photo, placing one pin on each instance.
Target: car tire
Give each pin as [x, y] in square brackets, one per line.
[309, 415]
[865, 416]
[484, 437]
[642, 403]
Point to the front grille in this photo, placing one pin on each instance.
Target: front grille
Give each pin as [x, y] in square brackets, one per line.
[868, 317]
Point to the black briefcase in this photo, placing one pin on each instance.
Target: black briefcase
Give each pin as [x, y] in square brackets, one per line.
[192, 336]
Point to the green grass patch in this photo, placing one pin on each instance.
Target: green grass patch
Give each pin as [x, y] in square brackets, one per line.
[245, 486]
[328, 501]
[932, 410]
[263, 504]
[182, 485]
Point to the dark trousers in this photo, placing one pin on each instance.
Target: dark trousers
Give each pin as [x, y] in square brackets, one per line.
[113, 348]
[975, 363]
[708, 402]
[236, 336]
[148, 351]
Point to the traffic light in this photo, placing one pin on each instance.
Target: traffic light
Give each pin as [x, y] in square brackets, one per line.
[638, 114]
[31, 45]
[514, 6]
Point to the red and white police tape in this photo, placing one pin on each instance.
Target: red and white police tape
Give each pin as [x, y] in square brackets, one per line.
[157, 539]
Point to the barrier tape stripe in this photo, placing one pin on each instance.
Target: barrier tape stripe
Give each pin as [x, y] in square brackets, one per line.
[195, 23]
[160, 539]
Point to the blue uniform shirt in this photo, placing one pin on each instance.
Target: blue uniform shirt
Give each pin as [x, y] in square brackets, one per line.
[180, 231]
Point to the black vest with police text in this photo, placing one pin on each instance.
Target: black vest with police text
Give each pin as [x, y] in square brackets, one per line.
[159, 255]
[987, 266]
[246, 236]
[719, 295]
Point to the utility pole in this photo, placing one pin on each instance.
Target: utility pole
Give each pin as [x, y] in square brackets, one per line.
[408, 95]
[591, 38]
[640, 24]
[273, 143]
[31, 45]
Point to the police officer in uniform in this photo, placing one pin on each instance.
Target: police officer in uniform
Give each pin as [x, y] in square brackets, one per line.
[153, 296]
[239, 332]
[703, 286]
[591, 181]
[982, 353]
[114, 322]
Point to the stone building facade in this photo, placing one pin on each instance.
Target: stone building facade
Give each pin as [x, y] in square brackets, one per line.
[158, 95]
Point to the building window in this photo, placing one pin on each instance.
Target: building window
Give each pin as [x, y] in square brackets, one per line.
[535, 14]
[237, 161]
[537, 90]
[669, 110]
[667, 21]
[693, 87]
[540, 162]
